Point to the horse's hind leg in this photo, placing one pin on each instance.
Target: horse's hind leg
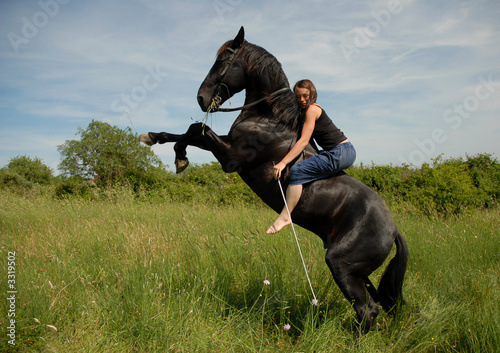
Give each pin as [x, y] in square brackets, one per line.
[353, 286]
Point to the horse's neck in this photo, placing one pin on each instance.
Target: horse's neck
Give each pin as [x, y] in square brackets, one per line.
[256, 91]
[262, 85]
[266, 84]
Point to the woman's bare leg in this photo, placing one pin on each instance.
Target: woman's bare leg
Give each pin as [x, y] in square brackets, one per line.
[293, 194]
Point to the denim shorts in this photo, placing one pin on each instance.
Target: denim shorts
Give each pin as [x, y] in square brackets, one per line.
[323, 165]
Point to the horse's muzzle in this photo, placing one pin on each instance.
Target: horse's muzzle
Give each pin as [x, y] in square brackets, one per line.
[202, 104]
[211, 106]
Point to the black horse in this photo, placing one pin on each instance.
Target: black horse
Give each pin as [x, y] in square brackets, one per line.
[354, 223]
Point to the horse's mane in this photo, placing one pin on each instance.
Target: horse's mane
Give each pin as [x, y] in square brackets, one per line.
[260, 62]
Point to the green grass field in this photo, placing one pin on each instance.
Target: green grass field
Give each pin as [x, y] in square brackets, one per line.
[126, 276]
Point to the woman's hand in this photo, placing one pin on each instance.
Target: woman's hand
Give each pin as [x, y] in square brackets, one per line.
[277, 169]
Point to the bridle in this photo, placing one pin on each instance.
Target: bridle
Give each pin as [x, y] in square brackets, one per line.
[217, 98]
[227, 64]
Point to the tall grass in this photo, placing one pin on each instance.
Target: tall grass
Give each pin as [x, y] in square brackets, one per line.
[124, 276]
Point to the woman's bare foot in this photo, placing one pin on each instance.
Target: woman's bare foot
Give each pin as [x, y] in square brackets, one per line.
[278, 225]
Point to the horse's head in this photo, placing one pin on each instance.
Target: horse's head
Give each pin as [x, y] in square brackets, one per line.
[226, 77]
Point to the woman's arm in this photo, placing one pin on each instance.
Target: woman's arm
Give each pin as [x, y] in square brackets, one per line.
[312, 114]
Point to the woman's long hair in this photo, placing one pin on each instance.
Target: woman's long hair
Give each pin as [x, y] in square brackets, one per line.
[313, 94]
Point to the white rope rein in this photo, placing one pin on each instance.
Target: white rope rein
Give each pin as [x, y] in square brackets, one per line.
[314, 301]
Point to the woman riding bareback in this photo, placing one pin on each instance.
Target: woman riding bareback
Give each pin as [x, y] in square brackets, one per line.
[337, 154]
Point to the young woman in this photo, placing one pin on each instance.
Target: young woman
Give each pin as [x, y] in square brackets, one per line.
[337, 154]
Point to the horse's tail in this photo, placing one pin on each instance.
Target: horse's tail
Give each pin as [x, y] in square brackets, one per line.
[390, 290]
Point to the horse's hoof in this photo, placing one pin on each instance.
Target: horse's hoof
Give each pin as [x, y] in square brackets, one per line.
[180, 165]
[146, 139]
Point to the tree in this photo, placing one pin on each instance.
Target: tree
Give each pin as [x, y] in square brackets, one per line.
[31, 169]
[106, 154]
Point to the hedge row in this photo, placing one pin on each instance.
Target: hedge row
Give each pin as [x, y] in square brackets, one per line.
[448, 186]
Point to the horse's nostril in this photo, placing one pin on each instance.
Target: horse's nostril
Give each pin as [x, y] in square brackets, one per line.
[200, 102]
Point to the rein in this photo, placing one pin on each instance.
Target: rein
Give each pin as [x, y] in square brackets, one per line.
[315, 300]
[246, 106]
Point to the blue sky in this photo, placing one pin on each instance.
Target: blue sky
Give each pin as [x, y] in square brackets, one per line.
[405, 80]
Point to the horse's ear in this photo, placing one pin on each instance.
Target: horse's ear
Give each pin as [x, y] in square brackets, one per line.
[238, 40]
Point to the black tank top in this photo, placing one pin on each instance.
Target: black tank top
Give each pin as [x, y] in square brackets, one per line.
[325, 133]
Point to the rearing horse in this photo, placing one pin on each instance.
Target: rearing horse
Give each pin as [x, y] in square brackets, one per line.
[354, 223]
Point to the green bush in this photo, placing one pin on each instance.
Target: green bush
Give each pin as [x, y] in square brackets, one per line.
[381, 178]
[205, 183]
[13, 180]
[219, 187]
[446, 186]
[29, 171]
[485, 173]
[75, 186]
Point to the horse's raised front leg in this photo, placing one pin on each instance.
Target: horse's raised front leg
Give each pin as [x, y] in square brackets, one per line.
[181, 160]
[198, 135]
[152, 138]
